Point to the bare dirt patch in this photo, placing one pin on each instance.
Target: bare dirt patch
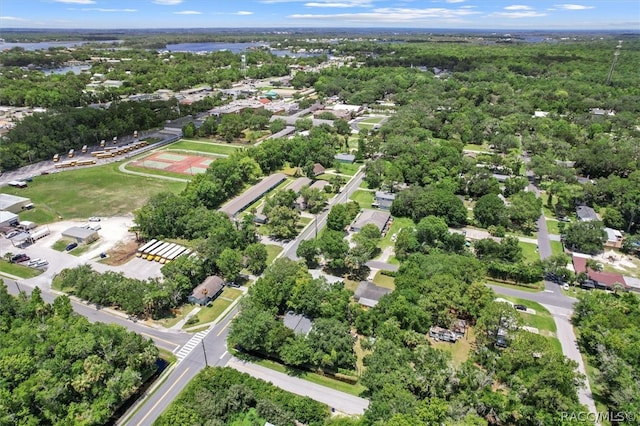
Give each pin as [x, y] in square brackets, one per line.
[121, 253]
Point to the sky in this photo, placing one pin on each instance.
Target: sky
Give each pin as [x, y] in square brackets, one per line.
[436, 14]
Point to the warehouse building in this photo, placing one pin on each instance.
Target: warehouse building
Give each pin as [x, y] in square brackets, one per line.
[81, 235]
[14, 203]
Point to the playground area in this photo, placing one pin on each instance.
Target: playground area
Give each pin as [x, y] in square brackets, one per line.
[177, 163]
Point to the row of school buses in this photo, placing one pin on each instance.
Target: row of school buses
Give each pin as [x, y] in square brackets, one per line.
[106, 152]
[162, 252]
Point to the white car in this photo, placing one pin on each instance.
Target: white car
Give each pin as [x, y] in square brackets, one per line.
[565, 286]
[94, 219]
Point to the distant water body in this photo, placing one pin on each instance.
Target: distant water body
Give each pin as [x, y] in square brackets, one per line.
[207, 47]
[43, 45]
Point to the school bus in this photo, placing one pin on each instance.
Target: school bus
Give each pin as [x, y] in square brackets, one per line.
[102, 142]
[56, 158]
[71, 153]
[84, 149]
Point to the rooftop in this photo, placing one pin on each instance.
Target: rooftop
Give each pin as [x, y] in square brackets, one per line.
[586, 213]
[299, 323]
[368, 294]
[243, 200]
[298, 184]
[8, 200]
[78, 232]
[375, 217]
[210, 286]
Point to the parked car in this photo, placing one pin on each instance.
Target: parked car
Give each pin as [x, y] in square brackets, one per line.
[12, 234]
[33, 262]
[520, 307]
[565, 286]
[71, 246]
[94, 219]
[21, 257]
[41, 264]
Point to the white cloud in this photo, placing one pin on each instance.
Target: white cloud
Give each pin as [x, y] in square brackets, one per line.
[573, 7]
[518, 7]
[243, 13]
[168, 2]
[101, 9]
[326, 3]
[395, 15]
[519, 15]
[188, 12]
[75, 1]
[11, 18]
[455, 1]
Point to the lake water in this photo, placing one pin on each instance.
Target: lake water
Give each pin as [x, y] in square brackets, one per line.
[43, 45]
[231, 47]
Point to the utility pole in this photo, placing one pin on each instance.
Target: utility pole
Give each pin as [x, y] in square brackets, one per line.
[205, 353]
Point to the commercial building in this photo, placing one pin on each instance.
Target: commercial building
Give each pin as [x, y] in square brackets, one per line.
[14, 203]
[248, 197]
[81, 235]
[8, 219]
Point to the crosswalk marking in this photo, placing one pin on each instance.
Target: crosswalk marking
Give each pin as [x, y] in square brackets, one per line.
[191, 344]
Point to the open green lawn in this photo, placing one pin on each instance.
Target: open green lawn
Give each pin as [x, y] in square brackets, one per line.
[531, 288]
[363, 198]
[329, 382]
[216, 308]
[176, 316]
[384, 280]
[219, 148]
[556, 247]
[83, 248]
[61, 244]
[92, 191]
[18, 270]
[542, 320]
[372, 120]
[396, 226]
[348, 169]
[474, 147]
[529, 251]
[272, 252]
[552, 226]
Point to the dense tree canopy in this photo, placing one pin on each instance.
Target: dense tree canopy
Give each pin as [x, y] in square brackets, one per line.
[57, 368]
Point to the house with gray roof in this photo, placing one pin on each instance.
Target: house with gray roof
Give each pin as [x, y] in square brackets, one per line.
[248, 197]
[300, 324]
[208, 290]
[368, 294]
[586, 214]
[378, 218]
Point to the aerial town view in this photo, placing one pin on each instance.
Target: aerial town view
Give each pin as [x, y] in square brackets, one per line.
[331, 212]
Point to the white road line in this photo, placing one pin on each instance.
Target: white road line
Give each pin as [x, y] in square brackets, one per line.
[191, 344]
[222, 356]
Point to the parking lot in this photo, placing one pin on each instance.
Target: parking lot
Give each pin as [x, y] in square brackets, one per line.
[113, 230]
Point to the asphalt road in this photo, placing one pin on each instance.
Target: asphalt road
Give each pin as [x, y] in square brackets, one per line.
[163, 338]
[321, 219]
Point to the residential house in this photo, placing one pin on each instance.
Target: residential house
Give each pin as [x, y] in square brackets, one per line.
[260, 218]
[319, 184]
[208, 290]
[597, 279]
[368, 294]
[345, 158]
[318, 169]
[459, 327]
[378, 218]
[586, 214]
[383, 200]
[300, 324]
[614, 238]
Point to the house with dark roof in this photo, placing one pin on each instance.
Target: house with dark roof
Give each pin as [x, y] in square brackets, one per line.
[300, 324]
[248, 197]
[368, 294]
[586, 214]
[208, 290]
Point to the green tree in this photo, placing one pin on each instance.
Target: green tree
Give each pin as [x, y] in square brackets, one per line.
[256, 258]
[309, 251]
[490, 211]
[585, 237]
[230, 264]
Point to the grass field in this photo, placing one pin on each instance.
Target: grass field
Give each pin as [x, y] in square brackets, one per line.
[272, 252]
[204, 146]
[18, 270]
[217, 307]
[396, 226]
[348, 169]
[178, 314]
[556, 247]
[531, 288]
[384, 280]
[542, 320]
[552, 226]
[363, 198]
[92, 191]
[529, 251]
